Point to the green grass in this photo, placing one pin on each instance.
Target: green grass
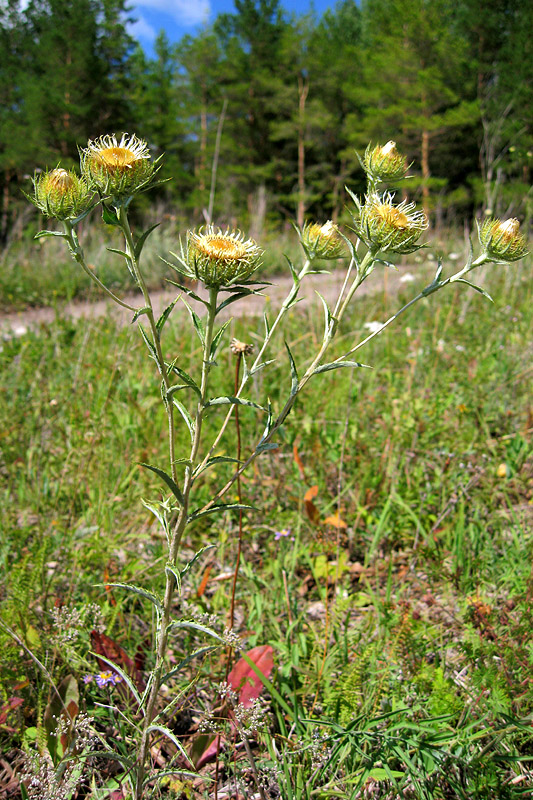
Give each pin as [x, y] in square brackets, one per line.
[402, 641]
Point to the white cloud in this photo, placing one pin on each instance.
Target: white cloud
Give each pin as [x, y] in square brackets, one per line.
[184, 12]
[141, 29]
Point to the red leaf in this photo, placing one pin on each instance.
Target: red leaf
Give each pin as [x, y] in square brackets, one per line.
[12, 703]
[209, 753]
[243, 679]
[105, 646]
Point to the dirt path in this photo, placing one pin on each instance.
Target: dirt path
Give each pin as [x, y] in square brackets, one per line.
[18, 323]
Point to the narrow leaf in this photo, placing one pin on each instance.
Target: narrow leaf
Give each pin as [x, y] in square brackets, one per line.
[233, 297]
[139, 313]
[170, 570]
[263, 447]
[186, 378]
[161, 517]
[186, 416]
[188, 566]
[137, 590]
[44, 234]
[109, 216]
[294, 374]
[119, 252]
[147, 341]
[215, 460]
[187, 660]
[176, 491]
[339, 365]
[186, 290]
[197, 322]
[477, 288]
[187, 624]
[142, 240]
[261, 366]
[164, 316]
[217, 338]
[219, 507]
[236, 401]
[327, 315]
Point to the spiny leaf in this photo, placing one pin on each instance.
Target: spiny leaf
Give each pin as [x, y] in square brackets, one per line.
[328, 317]
[164, 316]
[170, 570]
[196, 321]
[339, 365]
[118, 252]
[185, 289]
[294, 374]
[219, 507]
[217, 338]
[215, 460]
[237, 401]
[186, 624]
[261, 366]
[139, 313]
[176, 491]
[109, 217]
[147, 341]
[263, 447]
[142, 592]
[161, 517]
[186, 661]
[142, 240]
[186, 378]
[477, 288]
[188, 566]
[186, 416]
[44, 234]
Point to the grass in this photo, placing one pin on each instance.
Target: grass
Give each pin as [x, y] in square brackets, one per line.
[400, 627]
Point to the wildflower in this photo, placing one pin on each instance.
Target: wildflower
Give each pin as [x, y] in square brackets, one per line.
[322, 241]
[61, 194]
[221, 259]
[385, 226]
[240, 348]
[117, 169]
[282, 534]
[88, 678]
[502, 241]
[107, 678]
[384, 163]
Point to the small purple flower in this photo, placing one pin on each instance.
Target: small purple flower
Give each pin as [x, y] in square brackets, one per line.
[88, 678]
[282, 534]
[104, 678]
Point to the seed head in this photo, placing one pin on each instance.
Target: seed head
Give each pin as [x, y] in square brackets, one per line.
[389, 227]
[221, 259]
[322, 241]
[61, 194]
[117, 169]
[502, 241]
[384, 163]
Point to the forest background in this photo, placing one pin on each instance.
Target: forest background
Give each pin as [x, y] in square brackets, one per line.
[291, 97]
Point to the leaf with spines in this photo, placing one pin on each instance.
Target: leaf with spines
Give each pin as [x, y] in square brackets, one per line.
[176, 742]
[261, 366]
[176, 491]
[141, 592]
[139, 313]
[44, 234]
[294, 373]
[148, 343]
[264, 447]
[217, 338]
[218, 507]
[119, 252]
[189, 565]
[158, 510]
[236, 401]
[196, 321]
[328, 317]
[141, 241]
[186, 290]
[211, 462]
[187, 381]
[477, 288]
[109, 217]
[185, 415]
[339, 365]
[159, 325]
[171, 570]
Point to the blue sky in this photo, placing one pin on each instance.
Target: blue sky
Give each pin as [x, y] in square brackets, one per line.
[178, 17]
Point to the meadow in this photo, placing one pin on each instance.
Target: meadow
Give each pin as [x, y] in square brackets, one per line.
[388, 567]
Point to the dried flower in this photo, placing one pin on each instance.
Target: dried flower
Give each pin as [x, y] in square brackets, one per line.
[117, 169]
[322, 241]
[240, 348]
[221, 259]
[388, 227]
[384, 163]
[61, 194]
[502, 241]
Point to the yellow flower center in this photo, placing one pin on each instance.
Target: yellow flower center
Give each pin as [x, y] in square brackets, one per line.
[391, 216]
[60, 181]
[220, 247]
[116, 158]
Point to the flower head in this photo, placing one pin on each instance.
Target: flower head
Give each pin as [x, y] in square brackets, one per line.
[61, 194]
[502, 241]
[117, 169]
[322, 241]
[221, 259]
[385, 226]
[384, 163]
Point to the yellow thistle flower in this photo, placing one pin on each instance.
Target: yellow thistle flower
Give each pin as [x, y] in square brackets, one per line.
[117, 169]
[384, 163]
[322, 241]
[61, 194]
[221, 259]
[389, 227]
[502, 241]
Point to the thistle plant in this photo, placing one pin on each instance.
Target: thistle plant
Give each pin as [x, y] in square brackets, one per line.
[228, 266]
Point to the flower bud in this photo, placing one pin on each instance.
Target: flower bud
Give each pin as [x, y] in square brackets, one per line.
[61, 194]
[502, 241]
[388, 227]
[117, 169]
[384, 163]
[221, 259]
[322, 241]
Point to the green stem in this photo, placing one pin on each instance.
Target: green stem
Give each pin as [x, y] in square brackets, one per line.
[177, 535]
[77, 254]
